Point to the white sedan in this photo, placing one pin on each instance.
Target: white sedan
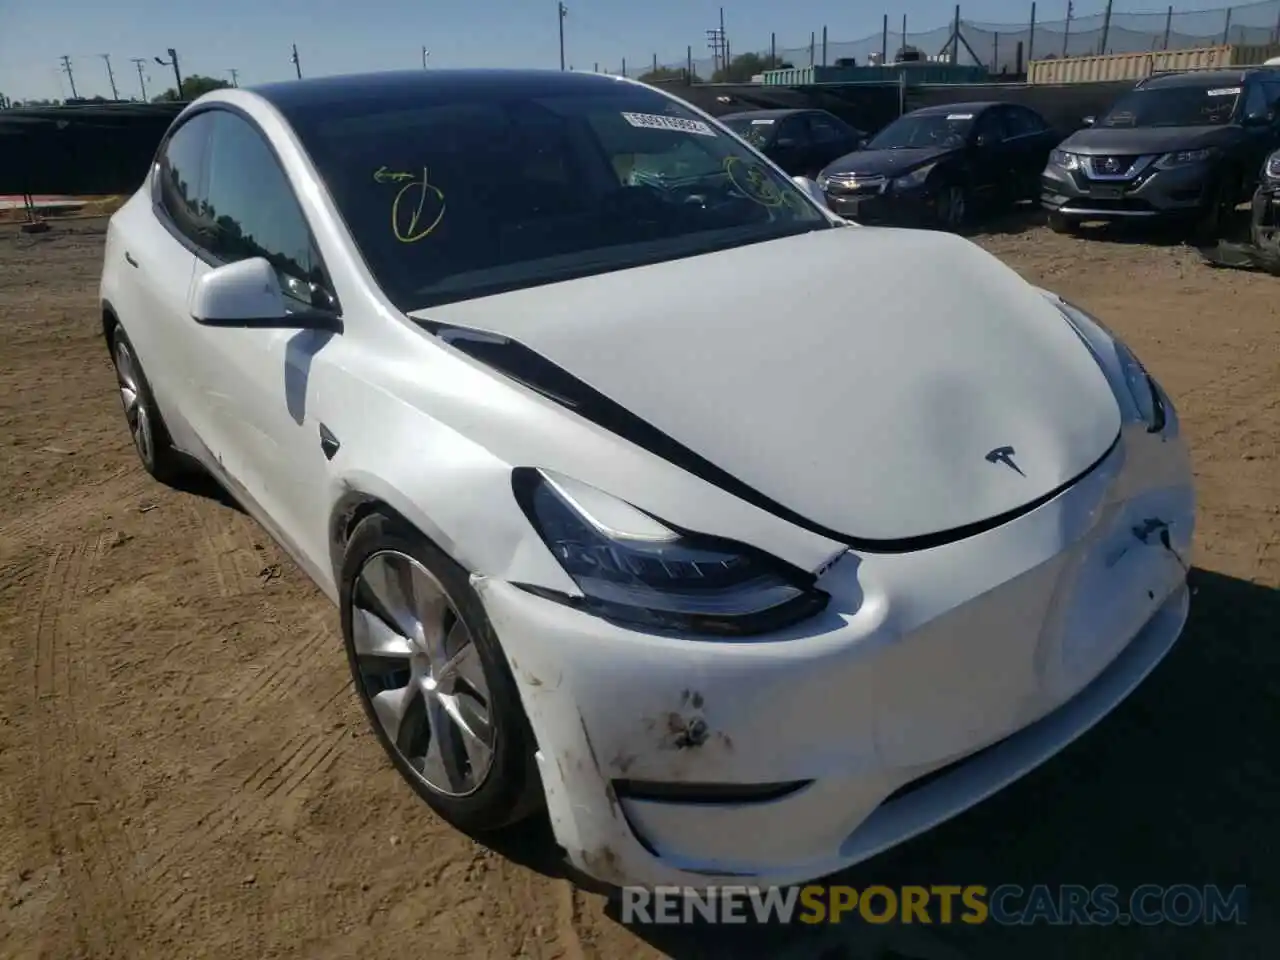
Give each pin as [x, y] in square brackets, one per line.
[743, 541]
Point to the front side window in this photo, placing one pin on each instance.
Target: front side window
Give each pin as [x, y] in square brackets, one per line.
[179, 175]
[825, 129]
[251, 208]
[757, 131]
[478, 190]
[1180, 106]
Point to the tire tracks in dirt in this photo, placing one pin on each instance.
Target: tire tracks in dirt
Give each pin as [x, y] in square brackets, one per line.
[95, 856]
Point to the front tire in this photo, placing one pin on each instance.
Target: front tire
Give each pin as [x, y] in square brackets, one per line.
[1064, 225]
[953, 206]
[146, 426]
[433, 679]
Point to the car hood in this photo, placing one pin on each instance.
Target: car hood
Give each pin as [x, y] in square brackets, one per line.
[874, 416]
[888, 163]
[1135, 141]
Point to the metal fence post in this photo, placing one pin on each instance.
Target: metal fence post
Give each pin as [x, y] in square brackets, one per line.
[1106, 29]
[1226, 28]
[1168, 24]
[884, 41]
[1031, 37]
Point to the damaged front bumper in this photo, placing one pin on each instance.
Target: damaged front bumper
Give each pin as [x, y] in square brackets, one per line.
[932, 680]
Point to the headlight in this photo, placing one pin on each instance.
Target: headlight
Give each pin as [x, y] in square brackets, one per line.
[914, 179]
[1182, 158]
[1139, 385]
[1068, 161]
[1273, 167]
[633, 569]
[824, 181]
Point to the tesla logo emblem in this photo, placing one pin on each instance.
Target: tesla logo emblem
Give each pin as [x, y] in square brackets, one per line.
[1004, 455]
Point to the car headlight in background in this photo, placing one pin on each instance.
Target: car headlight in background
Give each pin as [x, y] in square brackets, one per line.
[633, 569]
[1138, 384]
[1183, 158]
[1064, 159]
[824, 181]
[915, 178]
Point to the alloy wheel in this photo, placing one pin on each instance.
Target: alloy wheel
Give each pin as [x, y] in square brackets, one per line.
[421, 671]
[135, 407]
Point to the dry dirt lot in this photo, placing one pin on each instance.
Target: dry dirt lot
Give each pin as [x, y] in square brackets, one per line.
[184, 771]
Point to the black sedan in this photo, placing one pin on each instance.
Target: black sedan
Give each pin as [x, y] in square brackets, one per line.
[801, 142]
[937, 165]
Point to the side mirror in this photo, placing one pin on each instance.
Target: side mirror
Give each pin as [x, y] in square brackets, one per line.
[1089, 121]
[247, 294]
[812, 191]
[1258, 119]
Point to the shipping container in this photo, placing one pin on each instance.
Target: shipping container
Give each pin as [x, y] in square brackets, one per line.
[916, 73]
[1134, 66]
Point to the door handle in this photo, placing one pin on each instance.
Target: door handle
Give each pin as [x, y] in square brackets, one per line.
[128, 258]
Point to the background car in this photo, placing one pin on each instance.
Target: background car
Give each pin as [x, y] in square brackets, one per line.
[801, 142]
[939, 165]
[1182, 146]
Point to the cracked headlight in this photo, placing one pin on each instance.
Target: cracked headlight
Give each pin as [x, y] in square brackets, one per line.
[1139, 386]
[634, 569]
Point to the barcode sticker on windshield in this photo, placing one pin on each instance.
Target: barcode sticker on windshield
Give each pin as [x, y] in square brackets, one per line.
[761, 123]
[655, 121]
[959, 116]
[1225, 92]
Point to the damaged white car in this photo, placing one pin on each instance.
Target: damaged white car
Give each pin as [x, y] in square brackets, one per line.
[631, 511]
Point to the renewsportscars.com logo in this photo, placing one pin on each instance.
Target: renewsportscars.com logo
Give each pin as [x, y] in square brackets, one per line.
[1006, 905]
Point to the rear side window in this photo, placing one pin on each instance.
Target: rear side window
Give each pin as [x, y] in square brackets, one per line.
[252, 208]
[180, 175]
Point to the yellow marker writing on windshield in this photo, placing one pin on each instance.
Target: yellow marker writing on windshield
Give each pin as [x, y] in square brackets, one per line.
[423, 216]
[753, 181]
[383, 175]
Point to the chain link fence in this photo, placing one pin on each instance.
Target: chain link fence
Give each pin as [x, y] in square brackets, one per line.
[996, 45]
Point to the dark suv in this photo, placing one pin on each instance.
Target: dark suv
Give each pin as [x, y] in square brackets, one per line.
[1180, 145]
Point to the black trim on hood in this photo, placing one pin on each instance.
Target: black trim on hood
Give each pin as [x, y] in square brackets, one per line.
[530, 369]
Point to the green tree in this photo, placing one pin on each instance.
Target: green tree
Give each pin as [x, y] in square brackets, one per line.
[192, 87]
[745, 66]
[665, 75]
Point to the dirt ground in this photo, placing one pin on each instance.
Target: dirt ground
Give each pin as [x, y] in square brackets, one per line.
[184, 771]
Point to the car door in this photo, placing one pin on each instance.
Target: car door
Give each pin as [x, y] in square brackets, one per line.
[260, 385]
[792, 146]
[152, 247]
[1028, 140]
[990, 166]
[831, 138]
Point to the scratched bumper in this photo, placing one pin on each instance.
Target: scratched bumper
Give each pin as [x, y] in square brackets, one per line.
[1016, 640]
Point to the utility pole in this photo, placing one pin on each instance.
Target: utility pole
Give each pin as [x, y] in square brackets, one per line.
[562, 11]
[142, 82]
[66, 68]
[235, 76]
[715, 43]
[115, 94]
[177, 73]
[297, 64]
[425, 53]
[724, 41]
[1066, 31]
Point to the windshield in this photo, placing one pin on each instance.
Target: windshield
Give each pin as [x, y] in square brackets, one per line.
[946, 130]
[1174, 107]
[755, 131]
[492, 189]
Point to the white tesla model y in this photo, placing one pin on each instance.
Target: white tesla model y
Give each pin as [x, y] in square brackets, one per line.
[631, 511]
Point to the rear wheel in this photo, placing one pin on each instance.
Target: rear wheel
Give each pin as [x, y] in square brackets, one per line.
[433, 680]
[146, 426]
[1216, 215]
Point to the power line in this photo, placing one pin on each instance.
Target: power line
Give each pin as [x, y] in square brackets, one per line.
[138, 62]
[115, 94]
[66, 68]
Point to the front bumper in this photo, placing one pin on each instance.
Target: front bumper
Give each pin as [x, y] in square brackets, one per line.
[1176, 192]
[899, 208]
[1016, 641]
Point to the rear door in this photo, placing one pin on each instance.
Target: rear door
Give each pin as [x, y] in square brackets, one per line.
[1029, 140]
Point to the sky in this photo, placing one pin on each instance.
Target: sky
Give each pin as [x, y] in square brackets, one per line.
[254, 37]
